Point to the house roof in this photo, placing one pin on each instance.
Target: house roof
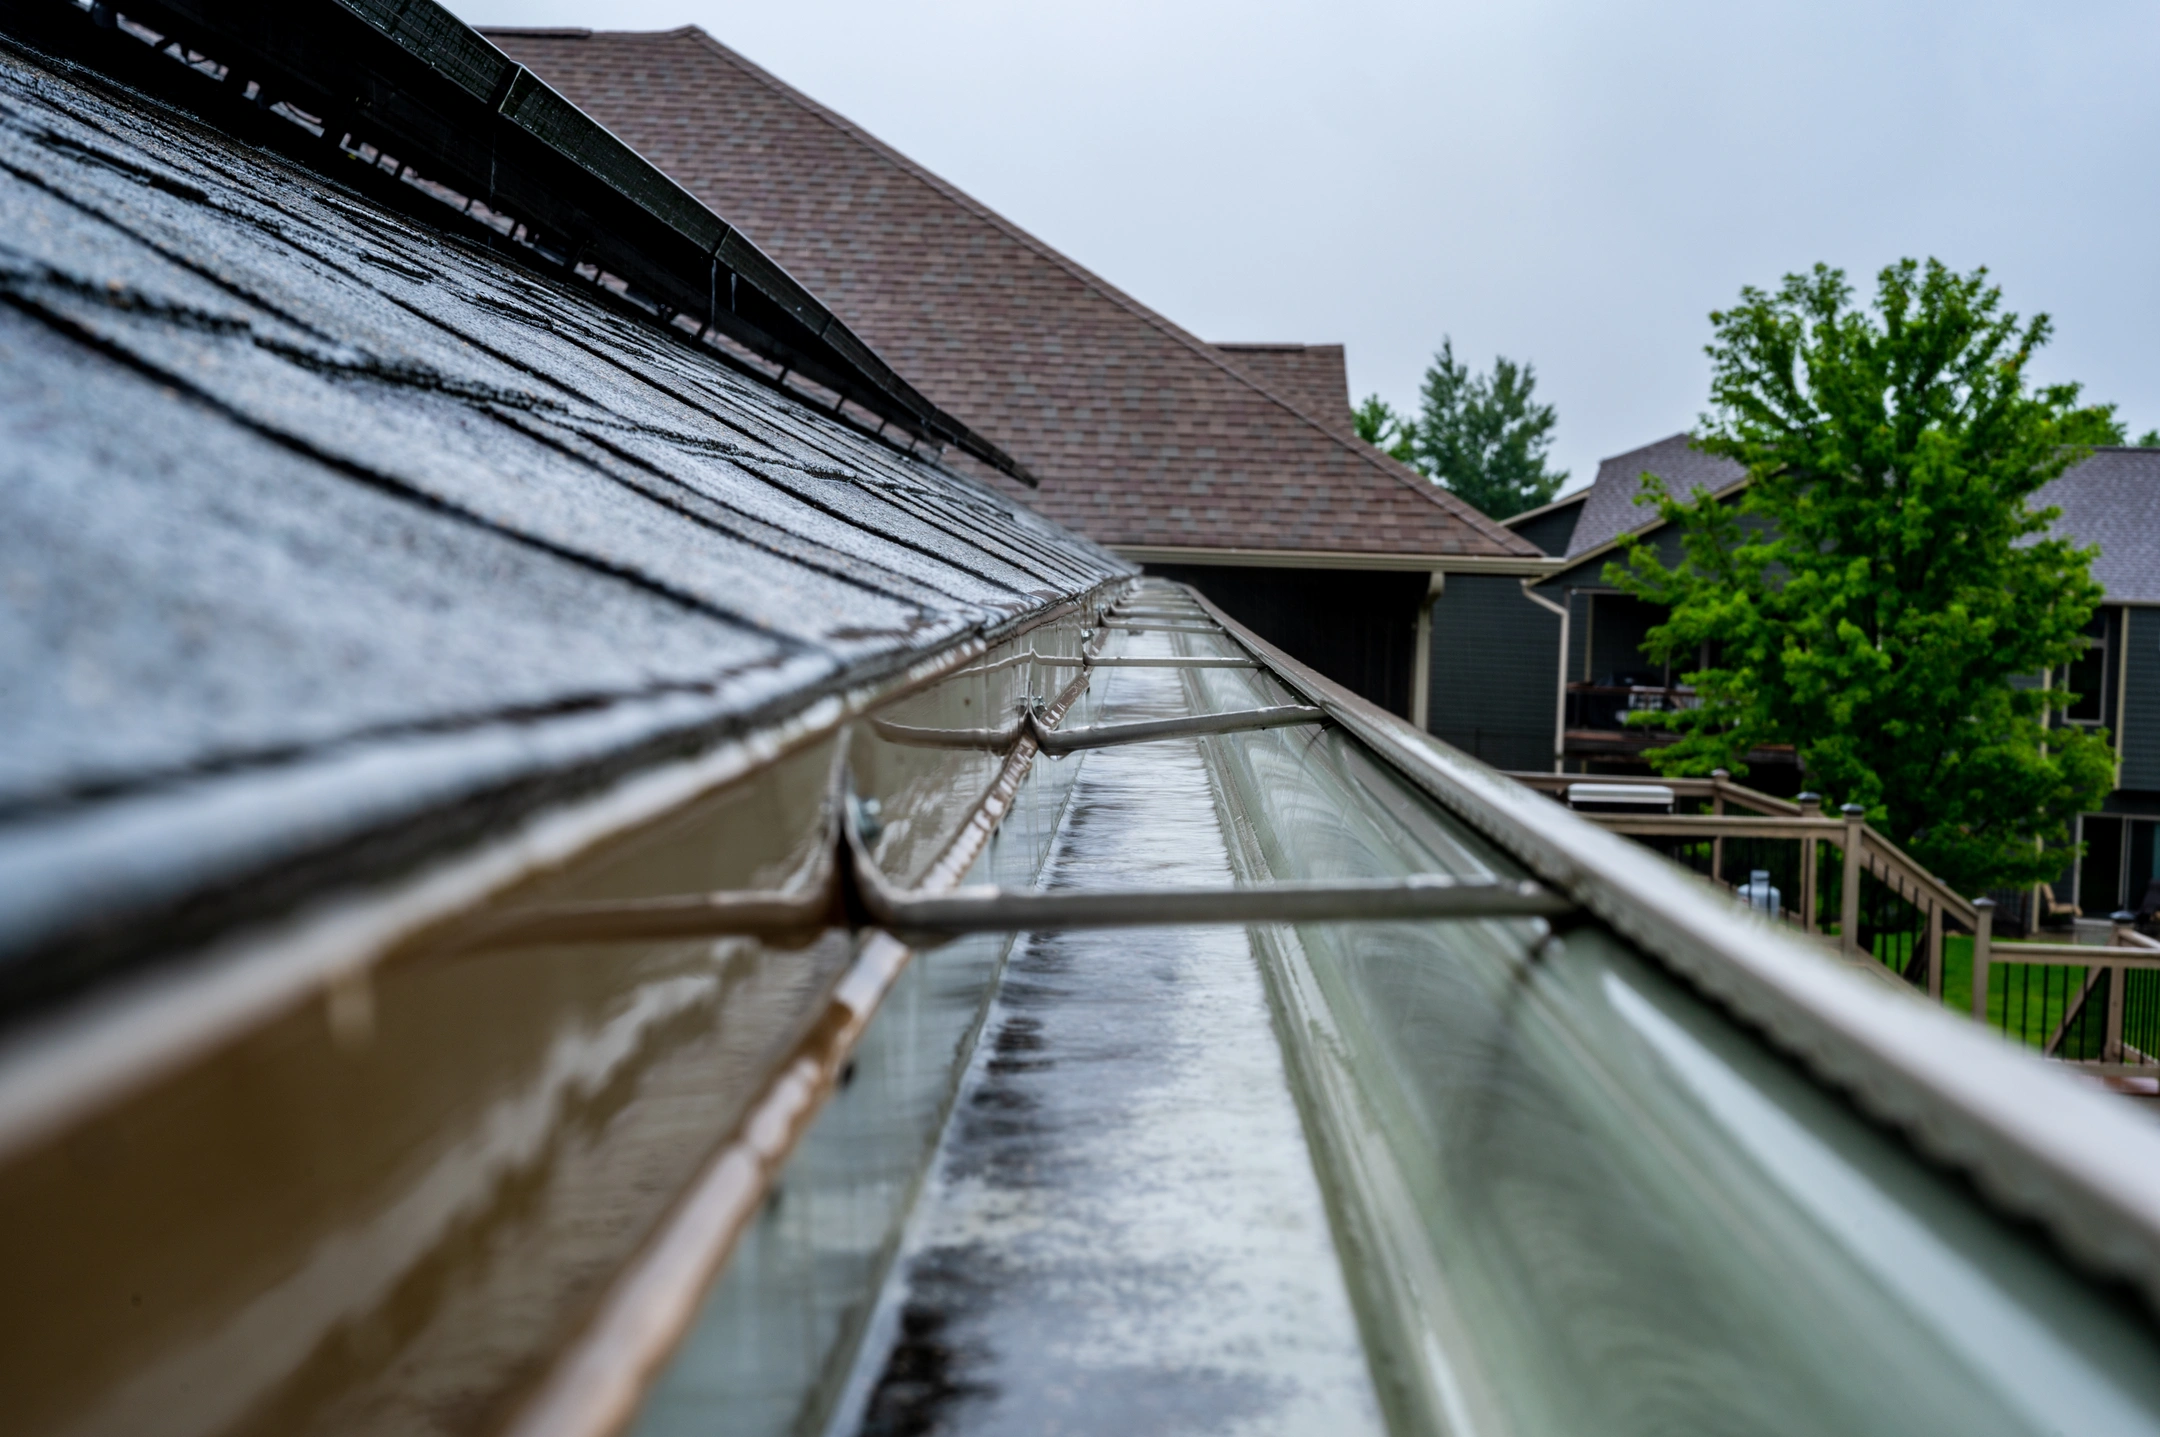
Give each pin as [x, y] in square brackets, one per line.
[1141, 433]
[1311, 376]
[331, 542]
[2113, 500]
[1609, 509]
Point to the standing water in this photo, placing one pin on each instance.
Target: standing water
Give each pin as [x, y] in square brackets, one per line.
[1122, 1231]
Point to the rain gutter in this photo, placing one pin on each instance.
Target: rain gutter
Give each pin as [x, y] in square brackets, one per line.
[61, 1067]
[2038, 1144]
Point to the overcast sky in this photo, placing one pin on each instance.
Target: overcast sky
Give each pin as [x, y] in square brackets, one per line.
[1573, 184]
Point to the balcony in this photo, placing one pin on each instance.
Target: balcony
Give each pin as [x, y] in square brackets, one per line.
[1599, 723]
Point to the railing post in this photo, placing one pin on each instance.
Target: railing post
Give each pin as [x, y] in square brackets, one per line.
[1934, 951]
[1849, 905]
[1983, 936]
[2118, 985]
[1810, 807]
[1718, 776]
[2116, 974]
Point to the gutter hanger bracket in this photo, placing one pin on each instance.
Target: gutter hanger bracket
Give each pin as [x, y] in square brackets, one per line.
[1052, 740]
[852, 892]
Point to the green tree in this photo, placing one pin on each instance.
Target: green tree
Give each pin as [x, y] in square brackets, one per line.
[2150, 439]
[1882, 586]
[1380, 426]
[1484, 435]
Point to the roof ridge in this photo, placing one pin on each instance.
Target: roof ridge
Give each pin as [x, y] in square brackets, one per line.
[1444, 499]
[1653, 444]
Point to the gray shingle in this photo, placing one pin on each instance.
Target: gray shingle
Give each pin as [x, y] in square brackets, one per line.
[2113, 500]
[1610, 509]
[324, 538]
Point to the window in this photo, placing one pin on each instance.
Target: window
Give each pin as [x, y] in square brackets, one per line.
[2121, 862]
[2088, 677]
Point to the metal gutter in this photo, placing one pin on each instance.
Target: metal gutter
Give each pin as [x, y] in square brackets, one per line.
[2037, 1143]
[58, 1069]
[1072, 740]
[596, 1386]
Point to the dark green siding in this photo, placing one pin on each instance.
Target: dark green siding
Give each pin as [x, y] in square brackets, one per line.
[1552, 531]
[2141, 701]
[1495, 668]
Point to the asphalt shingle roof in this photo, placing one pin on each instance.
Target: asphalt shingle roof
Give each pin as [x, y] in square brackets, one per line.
[1311, 376]
[316, 527]
[1610, 509]
[1141, 433]
[2113, 500]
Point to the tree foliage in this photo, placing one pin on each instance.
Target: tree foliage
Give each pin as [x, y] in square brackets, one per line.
[1484, 435]
[1380, 426]
[1882, 587]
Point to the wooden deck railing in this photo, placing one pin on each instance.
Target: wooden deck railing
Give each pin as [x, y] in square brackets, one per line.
[2093, 1007]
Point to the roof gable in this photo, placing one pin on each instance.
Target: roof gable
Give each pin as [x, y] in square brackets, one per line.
[1141, 433]
[1550, 526]
[1610, 510]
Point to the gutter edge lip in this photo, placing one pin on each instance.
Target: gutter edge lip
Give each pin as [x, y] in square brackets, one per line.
[82, 1056]
[2038, 1144]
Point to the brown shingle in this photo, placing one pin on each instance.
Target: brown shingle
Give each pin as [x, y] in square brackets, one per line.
[1311, 376]
[1140, 433]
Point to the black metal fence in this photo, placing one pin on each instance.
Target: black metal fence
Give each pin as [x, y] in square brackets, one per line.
[1892, 927]
[2064, 1009]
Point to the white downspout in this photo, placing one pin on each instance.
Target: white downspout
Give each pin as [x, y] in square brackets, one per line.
[1421, 660]
[1559, 728]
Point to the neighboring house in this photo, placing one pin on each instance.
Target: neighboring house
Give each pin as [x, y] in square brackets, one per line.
[1607, 675]
[2112, 502]
[1233, 467]
[1499, 689]
[1501, 693]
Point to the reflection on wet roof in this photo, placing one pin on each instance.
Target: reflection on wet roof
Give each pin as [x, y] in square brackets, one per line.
[314, 521]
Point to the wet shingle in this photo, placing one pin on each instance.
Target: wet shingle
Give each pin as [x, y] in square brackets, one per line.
[316, 525]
